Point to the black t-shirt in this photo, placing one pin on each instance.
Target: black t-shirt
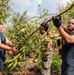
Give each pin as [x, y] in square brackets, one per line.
[67, 52]
[2, 51]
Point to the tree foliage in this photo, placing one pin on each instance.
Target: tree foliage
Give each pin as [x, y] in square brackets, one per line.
[23, 26]
[31, 48]
[5, 10]
[68, 14]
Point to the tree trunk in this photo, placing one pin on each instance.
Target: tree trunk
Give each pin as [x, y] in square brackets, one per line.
[47, 64]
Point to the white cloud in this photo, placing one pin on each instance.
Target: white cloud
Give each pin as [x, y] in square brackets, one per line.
[33, 12]
[52, 6]
[38, 1]
[65, 1]
[31, 5]
[20, 5]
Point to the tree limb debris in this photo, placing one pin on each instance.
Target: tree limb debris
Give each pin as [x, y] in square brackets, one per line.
[45, 22]
[61, 13]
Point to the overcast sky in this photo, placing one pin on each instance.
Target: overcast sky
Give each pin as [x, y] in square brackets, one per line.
[31, 5]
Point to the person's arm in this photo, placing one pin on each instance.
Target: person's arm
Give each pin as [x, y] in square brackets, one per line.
[53, 35]
[57, 23]
[5, 47]
[65, 27]
[8, 42]
[68, 38]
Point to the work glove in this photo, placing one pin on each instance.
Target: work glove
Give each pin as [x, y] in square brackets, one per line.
[56, 21]
[45, 26]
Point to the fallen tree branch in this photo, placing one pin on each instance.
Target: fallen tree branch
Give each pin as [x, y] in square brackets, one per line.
[50, 20]
[31, 34]
[60, 13]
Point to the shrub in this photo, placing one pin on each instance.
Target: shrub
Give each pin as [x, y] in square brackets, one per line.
[56, 63]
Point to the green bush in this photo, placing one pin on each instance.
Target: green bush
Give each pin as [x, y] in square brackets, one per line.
[56, 63]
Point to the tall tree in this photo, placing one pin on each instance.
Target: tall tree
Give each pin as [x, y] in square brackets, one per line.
[5, 10]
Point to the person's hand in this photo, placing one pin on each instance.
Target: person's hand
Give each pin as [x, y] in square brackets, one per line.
[45, 26]
[14, 50]
[13, 45]
[56, 21]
